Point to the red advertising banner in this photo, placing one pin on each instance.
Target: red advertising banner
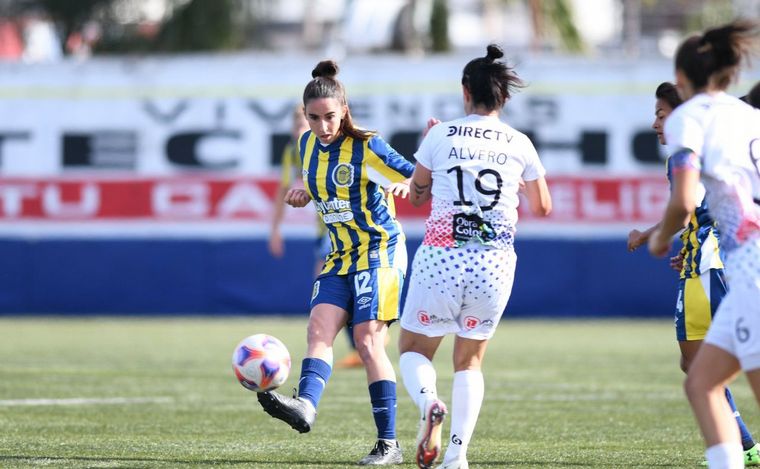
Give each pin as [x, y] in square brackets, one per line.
[594, 201]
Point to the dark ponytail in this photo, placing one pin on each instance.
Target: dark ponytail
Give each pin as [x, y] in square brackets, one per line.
[667, 92]
[325, 85]
[717, 54]
[490, 83]
[753, 97]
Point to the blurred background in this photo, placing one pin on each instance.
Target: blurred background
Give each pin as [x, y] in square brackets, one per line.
[141, 141]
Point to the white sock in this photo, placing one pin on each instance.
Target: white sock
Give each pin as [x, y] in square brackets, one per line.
[419, 378]
[466, 400]
[725, 456]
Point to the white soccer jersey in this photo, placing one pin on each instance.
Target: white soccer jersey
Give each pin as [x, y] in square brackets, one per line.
[725, 133]
[476, 163]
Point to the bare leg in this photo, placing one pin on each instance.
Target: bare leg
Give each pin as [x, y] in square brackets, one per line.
[689, 350]
[712, 369]
[325, 321]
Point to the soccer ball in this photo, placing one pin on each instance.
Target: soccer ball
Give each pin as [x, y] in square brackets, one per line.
[261, 362]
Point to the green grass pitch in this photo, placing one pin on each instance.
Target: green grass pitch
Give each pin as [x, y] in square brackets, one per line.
[155, 393]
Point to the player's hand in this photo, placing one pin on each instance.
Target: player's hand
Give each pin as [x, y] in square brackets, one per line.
[635, 239]
[399, 189]
[658, 247]
[432, 122]
[276, 246]
[676, 262]
[297, 198]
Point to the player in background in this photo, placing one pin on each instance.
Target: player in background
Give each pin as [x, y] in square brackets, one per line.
[462, 274]
[347, 173]
[701, 284]
[716, 137]
[291, 168]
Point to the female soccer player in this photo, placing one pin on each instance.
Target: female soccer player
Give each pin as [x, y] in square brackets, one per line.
[462, 274]
[290, 163]
[347, 172]
[717, 138]
[701, 285]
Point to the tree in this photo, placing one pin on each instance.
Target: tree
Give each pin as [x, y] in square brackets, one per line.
[558, 15]
[439, 27]
[201, 25]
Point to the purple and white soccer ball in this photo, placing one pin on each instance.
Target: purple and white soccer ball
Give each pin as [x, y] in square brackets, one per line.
[261, 362]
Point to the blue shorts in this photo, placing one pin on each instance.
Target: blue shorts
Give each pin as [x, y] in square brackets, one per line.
[366, 295]
[698, 299]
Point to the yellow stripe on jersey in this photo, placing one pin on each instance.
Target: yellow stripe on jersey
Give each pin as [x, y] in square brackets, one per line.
[384, 236]
[378, 171]
[345, 230]
[311, 140]
[691, 241]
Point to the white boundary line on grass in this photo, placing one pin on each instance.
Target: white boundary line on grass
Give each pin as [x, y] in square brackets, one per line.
[85, 401]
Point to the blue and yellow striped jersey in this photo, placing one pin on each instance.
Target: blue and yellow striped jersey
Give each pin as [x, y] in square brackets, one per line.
[289, 165]
[345, 180]
[700, 239]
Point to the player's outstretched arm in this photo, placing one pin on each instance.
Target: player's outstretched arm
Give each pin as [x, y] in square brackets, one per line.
[297, 198]
[638, 238]
[539, 198]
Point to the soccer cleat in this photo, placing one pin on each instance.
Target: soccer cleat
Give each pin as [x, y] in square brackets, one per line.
[384, 453]
[429, 434]
[295, 411]
[752, 456]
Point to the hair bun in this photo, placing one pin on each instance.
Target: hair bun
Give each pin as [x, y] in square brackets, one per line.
[494, 52]
[325, 68]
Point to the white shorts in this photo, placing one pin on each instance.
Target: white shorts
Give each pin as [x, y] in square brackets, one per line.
[736, 325]
[460, 291]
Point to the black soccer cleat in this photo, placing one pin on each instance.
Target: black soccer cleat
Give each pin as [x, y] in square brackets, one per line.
[295, 411]
[384, 453]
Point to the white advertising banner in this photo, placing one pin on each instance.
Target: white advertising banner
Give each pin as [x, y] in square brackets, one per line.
[80, 140]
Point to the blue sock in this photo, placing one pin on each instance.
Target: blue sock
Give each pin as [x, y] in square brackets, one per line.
[314, 376]
[383, 397]
[747, 440]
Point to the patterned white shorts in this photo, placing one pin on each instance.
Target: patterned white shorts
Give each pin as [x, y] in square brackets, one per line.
[736, 325]
[459, 291]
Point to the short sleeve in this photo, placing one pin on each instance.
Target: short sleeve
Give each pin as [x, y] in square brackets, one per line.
[683, 131]
[533, 168]
[424, 154]
[384, 164]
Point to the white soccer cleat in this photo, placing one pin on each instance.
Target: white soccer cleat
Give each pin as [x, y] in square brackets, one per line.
[429, 436]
